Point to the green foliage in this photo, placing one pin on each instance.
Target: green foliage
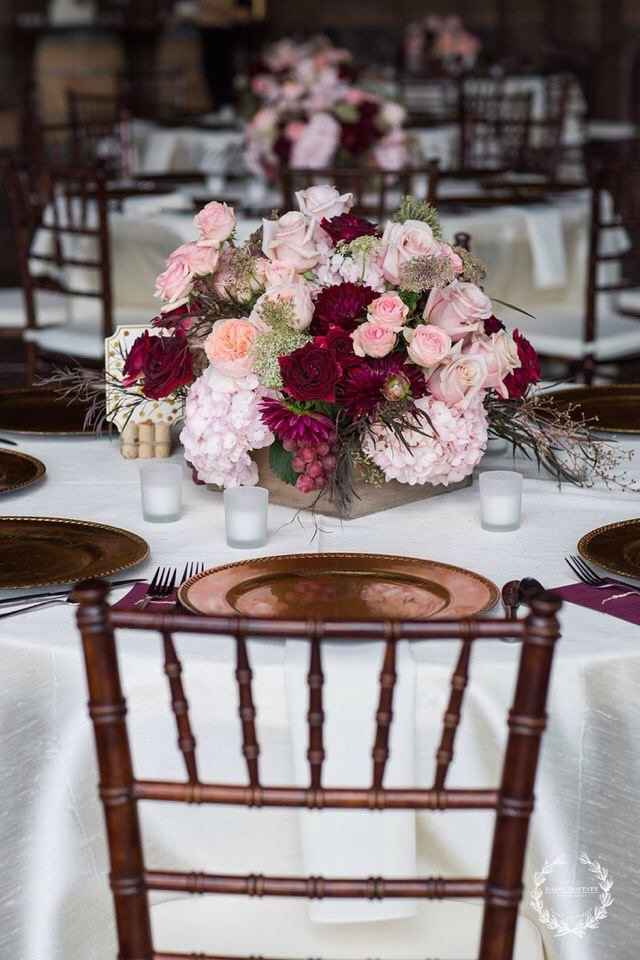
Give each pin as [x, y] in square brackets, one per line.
[280, 462]
[412, 209]
[410, 299]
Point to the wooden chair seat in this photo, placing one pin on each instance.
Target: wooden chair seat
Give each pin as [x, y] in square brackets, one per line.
[448, 930]
[558, 332]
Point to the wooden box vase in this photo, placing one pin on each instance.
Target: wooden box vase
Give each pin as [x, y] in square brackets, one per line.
[368, 498]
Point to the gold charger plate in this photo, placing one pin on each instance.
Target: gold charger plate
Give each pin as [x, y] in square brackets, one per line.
[18, 470]
[339, 586]
[41, 411]
[38, 551]
[615, 547]
[616, 406]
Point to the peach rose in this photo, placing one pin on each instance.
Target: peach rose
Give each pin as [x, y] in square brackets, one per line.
[294, 130]
[427, 345]
[501, 356]
[372, 339]
[388, 310]
[215, 223]
[183, 265]
[289, 241]
[323, 201]
[404, 242]
[459, 380]
[229, 346]
[459, 308]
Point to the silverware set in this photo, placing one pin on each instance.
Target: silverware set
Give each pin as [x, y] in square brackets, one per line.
[588, 576]
[160, 590]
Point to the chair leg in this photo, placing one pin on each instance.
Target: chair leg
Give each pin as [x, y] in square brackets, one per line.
[588, 369]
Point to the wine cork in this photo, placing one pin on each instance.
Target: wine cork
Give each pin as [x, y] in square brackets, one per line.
[145, 440]
[129, 442]
[162, 440]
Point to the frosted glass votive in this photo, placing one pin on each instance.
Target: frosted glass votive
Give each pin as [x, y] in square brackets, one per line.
[161, 489]
[245, 516]
[500, 500]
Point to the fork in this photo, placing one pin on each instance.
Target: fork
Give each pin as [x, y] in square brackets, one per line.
[588, 575]
[190, 570]
[161, 587]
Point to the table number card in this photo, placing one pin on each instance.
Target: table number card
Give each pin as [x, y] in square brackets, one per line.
[144, 425]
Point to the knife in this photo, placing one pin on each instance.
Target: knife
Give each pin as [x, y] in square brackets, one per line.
[60, 594]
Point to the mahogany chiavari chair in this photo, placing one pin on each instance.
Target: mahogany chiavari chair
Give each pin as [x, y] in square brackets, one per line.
[61, 227]
[607, 330]
[99, 124]
[494, 131]
[377, 193]
[120, 791]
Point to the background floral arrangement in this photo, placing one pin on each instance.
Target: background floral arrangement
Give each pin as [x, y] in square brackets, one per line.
[341, 345]
[308, 113]
[443, 40]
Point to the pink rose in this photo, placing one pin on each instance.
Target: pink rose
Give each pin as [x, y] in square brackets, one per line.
[446, 250]
[389, 310]
[373, 339]
[183, 265]
[229, 346]
[318, 143]
[264, 120]
[323, 202]
[459, 380]
[391, 153]
[500, 353]
[427, 345]
[297, 295]
[289, 241]
[404, 242]
[459, 308]
[294, 130]
[215, 223]
[277, 272]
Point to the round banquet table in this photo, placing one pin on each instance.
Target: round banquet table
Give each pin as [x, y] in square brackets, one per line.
[53, 890]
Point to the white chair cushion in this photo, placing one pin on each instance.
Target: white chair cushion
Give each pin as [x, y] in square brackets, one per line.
[629, 300]
[51, 309]
[274, 927]
[557, 332]
[82, 336]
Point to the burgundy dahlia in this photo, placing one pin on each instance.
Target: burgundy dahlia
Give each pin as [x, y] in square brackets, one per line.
[493, 325]
[341, 306]
[518, 381]
[367, 384]
[292, 427]
[310, 373]
[348, 227]
[339, 342]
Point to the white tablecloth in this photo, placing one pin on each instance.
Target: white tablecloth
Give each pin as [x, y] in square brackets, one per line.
[53, 892]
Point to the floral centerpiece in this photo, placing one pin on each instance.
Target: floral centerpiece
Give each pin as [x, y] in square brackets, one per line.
[309, 114]
[440, 40]
[349, 349]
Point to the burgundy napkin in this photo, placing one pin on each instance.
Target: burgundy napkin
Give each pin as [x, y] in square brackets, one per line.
[137, 592]
[615, 603]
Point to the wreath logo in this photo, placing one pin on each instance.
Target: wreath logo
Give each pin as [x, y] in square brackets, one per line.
[591, 920]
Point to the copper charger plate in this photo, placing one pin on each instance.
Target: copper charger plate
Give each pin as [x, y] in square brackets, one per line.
[616, 407]
[42, 411]
[615, 547]
[339, 586]
[18, 470]
[38, 551]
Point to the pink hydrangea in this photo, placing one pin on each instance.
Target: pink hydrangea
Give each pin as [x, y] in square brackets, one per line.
[449, 455]
[222, 426]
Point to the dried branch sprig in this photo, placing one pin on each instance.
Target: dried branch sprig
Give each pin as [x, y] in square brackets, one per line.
[76, 384]
[560, 441]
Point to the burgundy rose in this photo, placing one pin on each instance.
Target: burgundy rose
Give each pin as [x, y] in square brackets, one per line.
[310, 373]
[339, 342]
[282, 149]
[179, 319]
[518, 381]
[493, 325]
[167, 366]
[134, 363]
[341, 306]
[348, 227]
[367, 384]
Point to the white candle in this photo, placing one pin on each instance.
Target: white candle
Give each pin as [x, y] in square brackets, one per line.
[245, 515]
[161, 488]
[500, 500]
